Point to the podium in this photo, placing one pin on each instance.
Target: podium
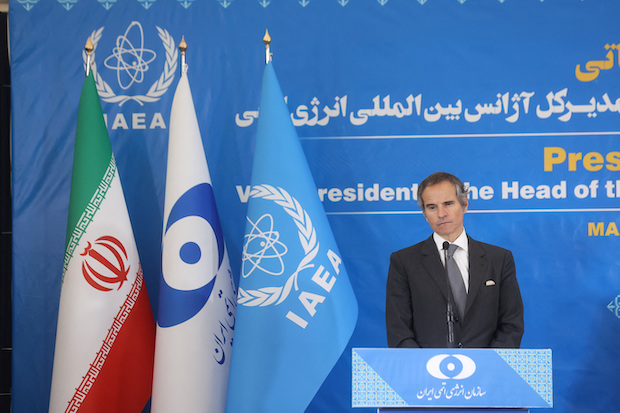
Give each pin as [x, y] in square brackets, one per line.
[452, 380]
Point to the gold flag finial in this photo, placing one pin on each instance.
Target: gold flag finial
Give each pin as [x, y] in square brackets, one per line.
[89, 47]
[89, 51]
[267, 38]
[183, 45]
[183, 48]
[267, 41]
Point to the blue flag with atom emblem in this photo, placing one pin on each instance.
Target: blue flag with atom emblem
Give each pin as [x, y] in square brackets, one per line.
[296, 309]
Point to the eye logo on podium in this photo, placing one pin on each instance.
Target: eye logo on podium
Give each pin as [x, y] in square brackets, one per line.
[451, 366]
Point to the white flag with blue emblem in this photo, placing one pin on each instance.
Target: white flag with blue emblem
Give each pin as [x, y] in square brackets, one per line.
[296, 309]
[196, 314]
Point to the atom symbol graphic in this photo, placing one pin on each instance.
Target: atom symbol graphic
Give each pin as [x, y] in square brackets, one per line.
[129, 62]
[262, 250]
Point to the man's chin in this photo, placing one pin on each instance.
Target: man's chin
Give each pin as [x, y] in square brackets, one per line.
[444, 230]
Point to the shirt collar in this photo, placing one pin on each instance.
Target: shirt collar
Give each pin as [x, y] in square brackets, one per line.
[461, 241]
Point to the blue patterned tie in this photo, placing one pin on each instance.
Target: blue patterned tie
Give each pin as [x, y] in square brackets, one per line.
[456, 281]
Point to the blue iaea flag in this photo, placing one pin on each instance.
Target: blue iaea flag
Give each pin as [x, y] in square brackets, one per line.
[296, 309]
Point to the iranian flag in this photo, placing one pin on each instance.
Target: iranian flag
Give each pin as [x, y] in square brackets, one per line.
[105, 337]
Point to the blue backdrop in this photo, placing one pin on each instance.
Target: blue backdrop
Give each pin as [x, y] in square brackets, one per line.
[518, 98]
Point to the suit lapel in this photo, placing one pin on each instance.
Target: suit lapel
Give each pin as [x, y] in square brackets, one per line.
[432, 264]
[477, 270]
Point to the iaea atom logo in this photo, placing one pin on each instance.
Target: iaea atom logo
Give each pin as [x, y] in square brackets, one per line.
[263, 250]
[131, 59]
[451, 366]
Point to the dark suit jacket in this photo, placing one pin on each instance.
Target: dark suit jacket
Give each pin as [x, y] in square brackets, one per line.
[417, 291]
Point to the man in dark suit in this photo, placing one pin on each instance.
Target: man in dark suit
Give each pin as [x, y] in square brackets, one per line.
[418, 292]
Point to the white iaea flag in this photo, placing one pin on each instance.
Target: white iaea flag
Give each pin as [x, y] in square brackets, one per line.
[197, 297]
[105, 335]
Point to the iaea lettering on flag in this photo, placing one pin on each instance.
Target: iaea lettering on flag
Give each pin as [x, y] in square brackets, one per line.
[296, 307]
[196, 318]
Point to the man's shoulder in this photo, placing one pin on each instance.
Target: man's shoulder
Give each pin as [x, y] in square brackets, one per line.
[488, 248]
[416, 248]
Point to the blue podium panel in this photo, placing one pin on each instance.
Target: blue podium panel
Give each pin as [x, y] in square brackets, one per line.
[468, 378]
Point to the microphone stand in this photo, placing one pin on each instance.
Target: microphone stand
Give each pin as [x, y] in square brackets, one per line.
[450, 318]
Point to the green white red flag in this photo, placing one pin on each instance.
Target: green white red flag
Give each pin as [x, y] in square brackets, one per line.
[105, 337]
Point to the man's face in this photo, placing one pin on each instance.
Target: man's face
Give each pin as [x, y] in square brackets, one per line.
[443, 211]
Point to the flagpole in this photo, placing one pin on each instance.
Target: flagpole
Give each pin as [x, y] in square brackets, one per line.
[183, 48]
[267, 41]
[89, 50]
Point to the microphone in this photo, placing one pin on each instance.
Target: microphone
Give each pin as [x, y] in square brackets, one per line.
[450, 309]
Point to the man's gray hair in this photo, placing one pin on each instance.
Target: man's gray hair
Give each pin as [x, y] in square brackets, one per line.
[439, 177]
